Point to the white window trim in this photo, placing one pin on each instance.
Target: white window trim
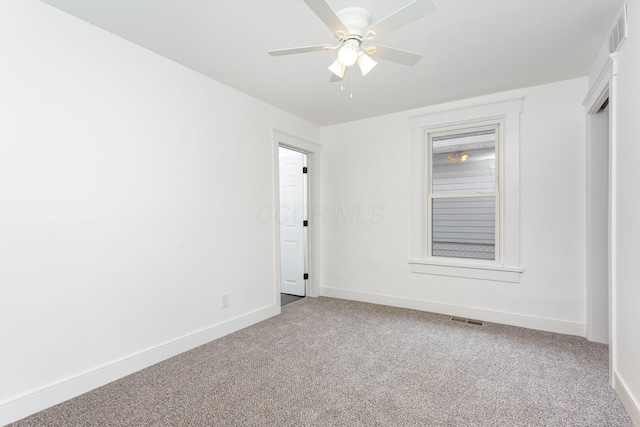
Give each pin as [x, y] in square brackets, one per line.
[507, 268]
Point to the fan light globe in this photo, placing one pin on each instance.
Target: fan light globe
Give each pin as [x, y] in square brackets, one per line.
[365, 63]
[348, 55]
[337, 68]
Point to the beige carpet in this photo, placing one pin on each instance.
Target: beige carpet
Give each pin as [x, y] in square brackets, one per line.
[342, 363]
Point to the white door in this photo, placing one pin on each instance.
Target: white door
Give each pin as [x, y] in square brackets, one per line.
[292, 216]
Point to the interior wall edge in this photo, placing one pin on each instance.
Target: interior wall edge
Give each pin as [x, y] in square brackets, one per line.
[53, 394]
[512, 319]
[631, 405]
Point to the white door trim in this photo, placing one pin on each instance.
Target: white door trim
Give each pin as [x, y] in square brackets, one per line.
[604, 86]
[312, 150]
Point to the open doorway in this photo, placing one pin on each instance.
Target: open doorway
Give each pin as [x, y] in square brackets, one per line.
[599, 221]
[293, 222]
[314, 215]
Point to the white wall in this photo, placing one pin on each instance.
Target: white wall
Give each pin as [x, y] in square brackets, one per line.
[364, 255]
[627, 292]
[129, 190]
[123, 217]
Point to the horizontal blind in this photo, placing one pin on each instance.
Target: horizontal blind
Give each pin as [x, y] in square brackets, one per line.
[464, 184]
[464, 227]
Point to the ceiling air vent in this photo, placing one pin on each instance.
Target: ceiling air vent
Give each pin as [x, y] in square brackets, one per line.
[619, 33]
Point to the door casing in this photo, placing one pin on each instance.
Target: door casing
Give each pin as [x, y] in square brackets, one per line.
[312, 150]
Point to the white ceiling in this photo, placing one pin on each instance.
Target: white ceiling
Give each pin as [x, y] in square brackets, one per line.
[470, 48]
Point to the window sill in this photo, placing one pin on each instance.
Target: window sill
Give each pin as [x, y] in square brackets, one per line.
[470, 270]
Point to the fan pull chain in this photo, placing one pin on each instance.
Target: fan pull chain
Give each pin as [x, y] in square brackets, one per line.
[350, 85]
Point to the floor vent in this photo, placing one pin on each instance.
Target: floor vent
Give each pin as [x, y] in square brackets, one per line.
[469, 321]
[619, 32]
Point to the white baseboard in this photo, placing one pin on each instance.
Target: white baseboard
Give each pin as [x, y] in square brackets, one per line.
[22, 406]
[524, 321]
[631, 405]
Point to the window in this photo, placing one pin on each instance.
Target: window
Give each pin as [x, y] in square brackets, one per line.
[465, 201]
[461, 207]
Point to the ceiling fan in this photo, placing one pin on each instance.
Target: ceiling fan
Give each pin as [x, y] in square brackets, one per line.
[352, 27]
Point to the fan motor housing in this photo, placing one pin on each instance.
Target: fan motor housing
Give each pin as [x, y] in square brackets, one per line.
[356, 19]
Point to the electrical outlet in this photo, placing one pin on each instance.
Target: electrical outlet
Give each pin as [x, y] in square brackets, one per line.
[225, 300]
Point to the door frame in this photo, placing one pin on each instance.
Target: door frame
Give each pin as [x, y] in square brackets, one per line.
[294, 215]
[598, 261]
[312, 150]
[604, 86]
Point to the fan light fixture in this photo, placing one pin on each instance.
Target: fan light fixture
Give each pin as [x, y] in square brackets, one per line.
[337, 68]
[348, 55]
[352, 26]
[365, 63]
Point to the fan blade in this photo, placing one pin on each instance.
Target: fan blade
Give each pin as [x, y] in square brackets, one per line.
[394, 55]
[294, 50]
[334, 78]
[411, 12]
[327, 15]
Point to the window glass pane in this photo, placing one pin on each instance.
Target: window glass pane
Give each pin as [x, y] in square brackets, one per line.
[464, 227]
[464, 162]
